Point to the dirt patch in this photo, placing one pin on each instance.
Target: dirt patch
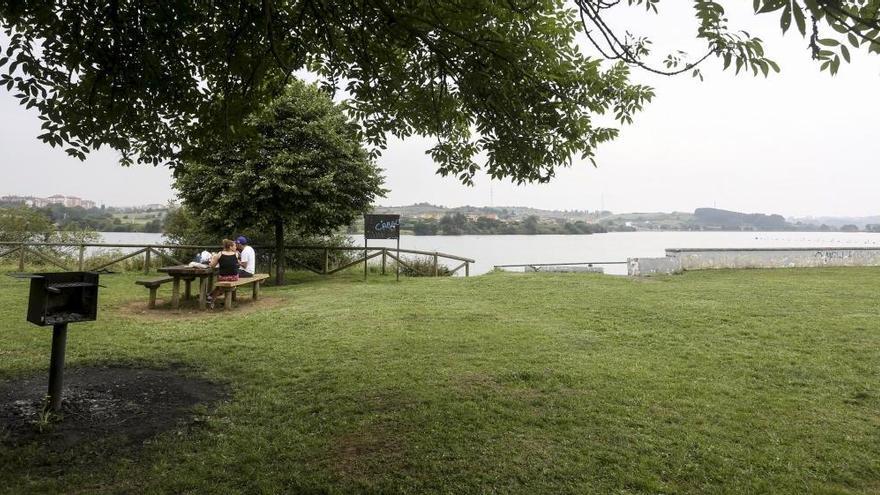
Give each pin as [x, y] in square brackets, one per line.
[367, 453]
[126, 406]
[377, 445]
[190, 309]
[533, 387]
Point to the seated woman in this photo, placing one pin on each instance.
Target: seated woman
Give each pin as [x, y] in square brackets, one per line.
[227, 263]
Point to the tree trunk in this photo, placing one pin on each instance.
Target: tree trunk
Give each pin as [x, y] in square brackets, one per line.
[279, 252]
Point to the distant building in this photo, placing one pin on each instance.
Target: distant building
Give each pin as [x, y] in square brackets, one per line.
[431, 215]
[13, 199]
[56, 199]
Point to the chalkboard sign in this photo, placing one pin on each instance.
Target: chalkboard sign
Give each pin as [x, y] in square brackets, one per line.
[382, 226]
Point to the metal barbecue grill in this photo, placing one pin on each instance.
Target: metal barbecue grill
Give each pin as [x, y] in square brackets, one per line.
[57, 299]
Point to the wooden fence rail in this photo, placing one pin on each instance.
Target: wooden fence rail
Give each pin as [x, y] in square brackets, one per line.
[147, 250]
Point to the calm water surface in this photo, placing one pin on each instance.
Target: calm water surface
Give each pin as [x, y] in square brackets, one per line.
[616, 246]
[490, 250]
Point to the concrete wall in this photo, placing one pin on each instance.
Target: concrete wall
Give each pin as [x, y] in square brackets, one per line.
[645, 267]
[702, 259]
[678, 260]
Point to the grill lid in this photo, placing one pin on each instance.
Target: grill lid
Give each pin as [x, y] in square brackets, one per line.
[70, 285]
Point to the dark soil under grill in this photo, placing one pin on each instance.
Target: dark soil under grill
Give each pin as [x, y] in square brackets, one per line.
[122, 404]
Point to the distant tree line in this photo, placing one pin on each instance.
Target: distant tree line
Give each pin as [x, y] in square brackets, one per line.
[460, 224]
[92, 219]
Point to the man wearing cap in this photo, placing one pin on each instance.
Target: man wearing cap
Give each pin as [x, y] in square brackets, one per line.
[247, 264]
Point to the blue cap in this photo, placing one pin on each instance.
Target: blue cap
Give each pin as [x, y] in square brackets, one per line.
[241, 239]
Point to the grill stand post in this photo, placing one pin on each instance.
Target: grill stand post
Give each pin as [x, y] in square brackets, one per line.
[56, 366]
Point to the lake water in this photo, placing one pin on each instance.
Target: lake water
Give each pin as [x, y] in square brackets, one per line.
[490, 250]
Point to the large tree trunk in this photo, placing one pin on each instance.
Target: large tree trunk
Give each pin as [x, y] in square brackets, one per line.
[279, 252]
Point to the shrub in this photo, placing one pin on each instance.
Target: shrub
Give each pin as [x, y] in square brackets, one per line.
[23, 224]
[135, 263]
[422, 267]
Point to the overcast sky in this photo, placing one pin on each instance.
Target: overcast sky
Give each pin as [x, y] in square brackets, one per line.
[799, 143]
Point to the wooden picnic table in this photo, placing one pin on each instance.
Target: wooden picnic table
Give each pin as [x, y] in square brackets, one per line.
[188, 274]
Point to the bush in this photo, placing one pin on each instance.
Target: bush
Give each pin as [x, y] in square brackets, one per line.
[135, 263]
[23, 224]
[422, 267]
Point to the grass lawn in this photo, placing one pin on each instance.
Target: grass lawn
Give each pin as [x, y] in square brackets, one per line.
[758, 381]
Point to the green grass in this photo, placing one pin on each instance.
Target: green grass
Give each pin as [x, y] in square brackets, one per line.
[709, 382]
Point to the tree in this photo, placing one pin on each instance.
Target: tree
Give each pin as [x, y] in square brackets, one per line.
[158, 81]
[154, 226]
[24, 224]
[453, 224]
[425, 227]
[530, 224]
[301, 167]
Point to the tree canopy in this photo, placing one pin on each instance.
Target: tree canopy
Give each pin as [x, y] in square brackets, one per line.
[302, 167]
[501, 86]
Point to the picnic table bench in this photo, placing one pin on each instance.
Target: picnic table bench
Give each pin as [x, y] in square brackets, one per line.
[229, 288]
[153, 284]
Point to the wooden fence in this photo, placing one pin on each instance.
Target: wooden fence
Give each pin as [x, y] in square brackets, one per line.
[23, 249]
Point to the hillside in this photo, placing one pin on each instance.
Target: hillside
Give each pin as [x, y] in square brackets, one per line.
[427, 210]
[421, 216]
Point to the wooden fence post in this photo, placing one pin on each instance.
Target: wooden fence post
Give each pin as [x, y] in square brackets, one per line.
[147, 260]
[384, 251]
[467, 269]
[82, 255]
[436, 273]
[326, 261]
[21, 250]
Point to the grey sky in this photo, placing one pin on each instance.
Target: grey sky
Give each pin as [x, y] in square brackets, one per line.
[799, 143]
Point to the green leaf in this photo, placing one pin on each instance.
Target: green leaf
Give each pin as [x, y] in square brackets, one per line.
[800, 19]
[785, 19]
[771, 5]
[853, 40]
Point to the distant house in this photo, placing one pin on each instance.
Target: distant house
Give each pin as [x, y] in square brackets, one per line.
[56, 199]
[431, 215]
[13, 199]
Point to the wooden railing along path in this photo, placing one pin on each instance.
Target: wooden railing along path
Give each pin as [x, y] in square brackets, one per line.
[147, 250]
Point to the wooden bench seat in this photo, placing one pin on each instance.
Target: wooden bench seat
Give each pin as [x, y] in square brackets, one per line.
[153, 284]
[229, 288]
